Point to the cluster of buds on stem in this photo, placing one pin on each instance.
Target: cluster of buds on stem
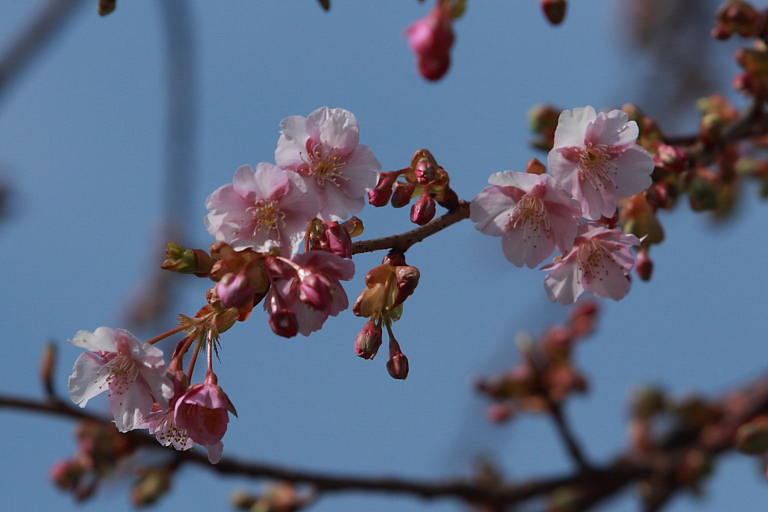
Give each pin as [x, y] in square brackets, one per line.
[425, 180]
[276, 497]
[100, 449]
[546, 375]
[387, 287]
[738, 17]
[753, 81]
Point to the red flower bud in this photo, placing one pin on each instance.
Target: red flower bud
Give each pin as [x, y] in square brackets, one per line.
[423, 210]
[284, 323]
[397, 366]
[369, 340]
[402, 194]
[313, 290]
[380, 194]
[424, 171]
[234, 290]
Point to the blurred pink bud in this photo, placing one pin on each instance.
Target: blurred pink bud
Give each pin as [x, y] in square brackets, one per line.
[657, 195]
[644, 266]
[499, 413]
[397, 366]
[380, 194]
[369, 340]
[670, 157]
[235, 290]
[423, 210]
[431, 39]
[66, 474]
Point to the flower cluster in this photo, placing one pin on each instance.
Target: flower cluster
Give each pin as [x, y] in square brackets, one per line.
[595, 161]
[322, 171]
[145, 394]
[546, 376]
[260, 221]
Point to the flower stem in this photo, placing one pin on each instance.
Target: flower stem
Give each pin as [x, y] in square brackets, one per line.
[166, 334]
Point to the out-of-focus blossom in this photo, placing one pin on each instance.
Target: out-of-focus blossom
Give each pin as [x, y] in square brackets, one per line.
[596, 159]
[531, 212]
[262, 209]
[324, 149]
[599, 263]
[431, 39]
[132, 371]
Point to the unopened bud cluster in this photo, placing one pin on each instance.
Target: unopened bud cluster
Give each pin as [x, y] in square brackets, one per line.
[387, 288]
[546, 375]
[425, 180]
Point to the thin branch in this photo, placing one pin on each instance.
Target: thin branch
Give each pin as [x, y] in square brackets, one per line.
[463, 489]
[566, 434]
[33, 38]
[404, 241]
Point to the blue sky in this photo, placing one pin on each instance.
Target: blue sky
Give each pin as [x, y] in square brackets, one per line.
[82, 143]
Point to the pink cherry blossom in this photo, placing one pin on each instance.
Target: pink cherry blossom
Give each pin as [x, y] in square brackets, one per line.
[132, 371]
[162, 424]
[311, 288]
[531, 212]
[261, 210]
[599, 263]
[324, 149]
[595, 158]
[203, 412]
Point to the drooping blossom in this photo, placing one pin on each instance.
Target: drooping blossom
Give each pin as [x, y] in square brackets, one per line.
[531, 213]
[262, 209]
[599, 263]
[596, 159]
[132, 371]
[203, 412]
[431, 39]
[161, 422]
[313, 291]
[324, 149]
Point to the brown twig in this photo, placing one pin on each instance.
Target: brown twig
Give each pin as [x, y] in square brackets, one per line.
[403, 241]
[566, 434]
[463, 489]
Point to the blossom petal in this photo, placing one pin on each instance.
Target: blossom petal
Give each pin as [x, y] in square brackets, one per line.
[336, 127]
[101, 340]
[87, 380]
[612, 129]
[214, 452]
[572, 126]
[563, 284]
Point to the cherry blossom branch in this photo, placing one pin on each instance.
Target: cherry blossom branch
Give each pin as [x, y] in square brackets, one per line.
[33, 38]
[403, 241]
[589, 485]
[463, 489]
[753, 122]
